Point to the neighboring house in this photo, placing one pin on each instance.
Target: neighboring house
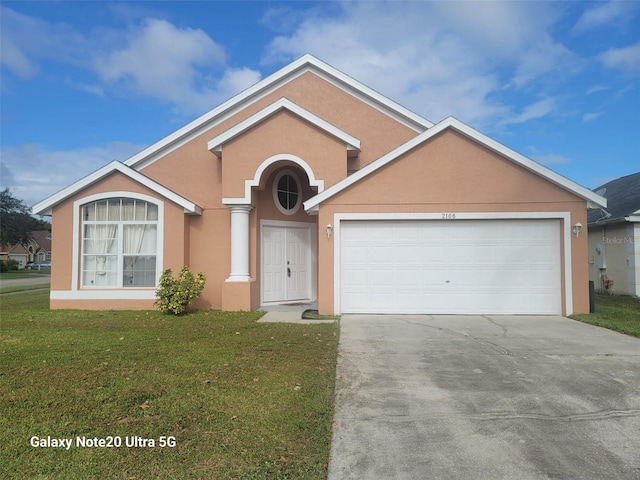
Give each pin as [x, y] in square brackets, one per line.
[17, 252]
[42, 244]
[614, 238]
[38, 249]
[311, 186]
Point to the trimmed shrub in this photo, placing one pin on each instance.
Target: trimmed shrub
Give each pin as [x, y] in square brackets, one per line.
[9, 265]
[174, 295]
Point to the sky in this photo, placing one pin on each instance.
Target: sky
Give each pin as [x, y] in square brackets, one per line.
[84, 83]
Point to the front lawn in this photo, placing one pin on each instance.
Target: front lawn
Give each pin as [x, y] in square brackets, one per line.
[616, 312]
[242, 399]
[23, 274]
[24, 288]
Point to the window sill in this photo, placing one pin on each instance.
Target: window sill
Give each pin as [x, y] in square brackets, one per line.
[102, 294]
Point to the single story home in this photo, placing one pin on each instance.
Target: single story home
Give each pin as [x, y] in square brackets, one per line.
[310, 186]
[37, 249]
[614, 238]
[16, 252]
[42, 246]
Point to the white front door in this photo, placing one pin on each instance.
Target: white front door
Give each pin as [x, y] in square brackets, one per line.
[286, 269]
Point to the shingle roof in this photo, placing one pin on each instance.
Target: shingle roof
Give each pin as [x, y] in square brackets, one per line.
[43, 239]
[623, 195]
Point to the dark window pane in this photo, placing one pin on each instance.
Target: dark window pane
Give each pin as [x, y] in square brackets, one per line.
[282, 198]
[293, 186]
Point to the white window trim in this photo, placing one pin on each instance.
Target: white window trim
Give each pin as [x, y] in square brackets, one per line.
[276, 200]
[566, 245]
[78, 292]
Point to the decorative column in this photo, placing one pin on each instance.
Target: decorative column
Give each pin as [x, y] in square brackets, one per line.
[239, 243]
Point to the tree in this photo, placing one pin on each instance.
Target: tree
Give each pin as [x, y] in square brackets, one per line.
[16, 222]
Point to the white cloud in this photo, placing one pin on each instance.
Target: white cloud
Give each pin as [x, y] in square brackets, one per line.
[627, 58]
[607, 14]
[34, 172]
[533, 111]
[235, 80]
[435, 57]
[165, 62]
[547, 159]
[25, 41]
[597, 88]
[181, 66]
[588, 117]
[14, 59]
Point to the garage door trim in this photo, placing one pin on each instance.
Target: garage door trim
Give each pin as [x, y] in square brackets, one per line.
[453, 217]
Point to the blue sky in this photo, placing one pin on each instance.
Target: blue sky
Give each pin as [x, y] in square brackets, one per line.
[83, 83]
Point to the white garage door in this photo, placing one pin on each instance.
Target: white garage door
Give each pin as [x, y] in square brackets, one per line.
[450, 267]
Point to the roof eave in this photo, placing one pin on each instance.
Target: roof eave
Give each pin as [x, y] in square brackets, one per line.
[215, 145]
[593, 199]
[265, 86]
[45, 207]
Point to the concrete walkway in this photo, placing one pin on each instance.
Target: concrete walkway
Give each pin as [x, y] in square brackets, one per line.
[451, 397]
[290, 313]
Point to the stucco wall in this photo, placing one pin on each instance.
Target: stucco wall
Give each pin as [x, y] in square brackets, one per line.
[283, 133]
[450, 173]
[194, 172]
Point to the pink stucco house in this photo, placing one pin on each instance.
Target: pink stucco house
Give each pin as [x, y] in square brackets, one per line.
[310, 186]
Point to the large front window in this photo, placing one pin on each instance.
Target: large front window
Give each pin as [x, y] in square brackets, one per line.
[119, 243]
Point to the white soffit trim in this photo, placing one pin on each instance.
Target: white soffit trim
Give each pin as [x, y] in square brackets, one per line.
[306, 63]
[450, 122]
[44, 207]
[215, 144]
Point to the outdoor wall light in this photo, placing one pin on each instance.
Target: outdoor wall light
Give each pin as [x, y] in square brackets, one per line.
[577, 228]
[329, 230]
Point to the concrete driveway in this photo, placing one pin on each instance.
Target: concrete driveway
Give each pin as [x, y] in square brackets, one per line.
[462, 397]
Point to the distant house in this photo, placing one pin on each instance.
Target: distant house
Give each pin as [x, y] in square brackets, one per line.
[614, 238]
[17, 252]
[38, 249]
[42, 246]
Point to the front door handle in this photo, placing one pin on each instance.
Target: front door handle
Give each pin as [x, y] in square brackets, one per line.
[288, 272]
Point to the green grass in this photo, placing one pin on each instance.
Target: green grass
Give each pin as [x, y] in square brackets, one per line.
[23, 288]
[243, 400]
[23, 273]
[615, 312]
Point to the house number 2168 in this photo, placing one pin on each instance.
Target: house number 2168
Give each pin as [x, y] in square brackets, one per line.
[448, 216]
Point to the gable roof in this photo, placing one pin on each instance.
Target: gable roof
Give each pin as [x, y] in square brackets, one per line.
[42, 239]
[593, 199]
[623, 196]
[306, 63]
[44, 207]
[215, 144]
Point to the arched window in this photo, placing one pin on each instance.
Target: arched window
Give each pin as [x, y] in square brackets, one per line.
[119, 243]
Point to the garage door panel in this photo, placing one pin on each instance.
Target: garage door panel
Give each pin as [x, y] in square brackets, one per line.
[481, 267]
